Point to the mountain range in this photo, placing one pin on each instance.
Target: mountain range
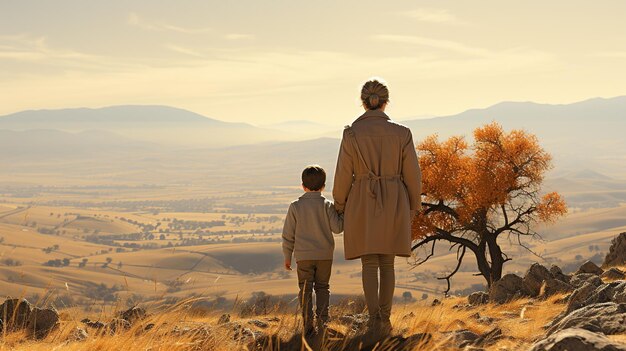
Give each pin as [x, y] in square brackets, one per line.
[585, 138]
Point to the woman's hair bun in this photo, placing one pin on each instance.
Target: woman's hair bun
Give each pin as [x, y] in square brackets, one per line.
[374, 94]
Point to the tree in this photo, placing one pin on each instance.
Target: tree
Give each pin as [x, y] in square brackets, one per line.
[474, 196]
[83, 263]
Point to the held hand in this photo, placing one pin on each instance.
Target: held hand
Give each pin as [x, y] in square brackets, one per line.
[288, 265]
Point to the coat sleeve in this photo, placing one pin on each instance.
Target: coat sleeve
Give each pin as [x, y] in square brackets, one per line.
[289, 232]
[343, 175]
[336, 220]
[411, 173]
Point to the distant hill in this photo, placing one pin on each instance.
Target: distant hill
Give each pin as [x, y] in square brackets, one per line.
[50, 145]
[583, 135]
[162, 124]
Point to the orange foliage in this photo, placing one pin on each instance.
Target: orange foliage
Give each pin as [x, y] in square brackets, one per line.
[500, 170]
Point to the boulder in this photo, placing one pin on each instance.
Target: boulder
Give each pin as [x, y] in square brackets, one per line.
[607, 318]
[461, 337]
[557, 273]
[613, 274]
[590, 267]
[133, 314]
[42, 321]
[507, 288]
[478, 298]
[15, 314]
[617, 252]
[552, 286]
[579, 279]
[118, 325]
[534, 277]
[619, 293]
[225, 318]
[575, 339]
[259, 324]
[78, 334]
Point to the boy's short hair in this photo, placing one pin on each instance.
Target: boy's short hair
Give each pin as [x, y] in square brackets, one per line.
[314, 177]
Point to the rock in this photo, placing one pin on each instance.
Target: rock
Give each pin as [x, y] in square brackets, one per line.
[118, 325]
[133, 314]
[435, 302]
[557, 273]
[42, 321]
[258, 323]
[590, 267]
[225, 318]
[489, 338]
[575, 339]
[461, 337]
[478, 298]
[94, 324]
[552, 286]
[619, 293]
[243, 334]
[507, 288]
[613, 274]
[78, 334]
[579, 279]
[607, 318]
[534, 277]
[15, 314]
[576, 299]
[617, 252]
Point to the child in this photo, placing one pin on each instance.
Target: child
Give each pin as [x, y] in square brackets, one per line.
[307, 233]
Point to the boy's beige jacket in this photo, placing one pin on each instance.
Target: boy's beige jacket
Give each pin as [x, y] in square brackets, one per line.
[377, 204]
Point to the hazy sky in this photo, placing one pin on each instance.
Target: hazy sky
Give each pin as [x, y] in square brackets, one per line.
[268, 61]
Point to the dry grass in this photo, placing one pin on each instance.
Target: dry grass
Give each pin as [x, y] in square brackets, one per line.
[520, 321]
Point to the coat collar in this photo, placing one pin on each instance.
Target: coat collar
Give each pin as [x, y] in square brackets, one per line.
[372, 113]
[312, 195]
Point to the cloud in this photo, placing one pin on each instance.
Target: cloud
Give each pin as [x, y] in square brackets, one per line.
[611, 54]
[183, 50]
[433, 43]
[238, 36]
[431, 15]
[136, 21]
[23, 47]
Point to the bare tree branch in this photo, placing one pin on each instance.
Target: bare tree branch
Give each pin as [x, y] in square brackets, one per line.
[456, 269]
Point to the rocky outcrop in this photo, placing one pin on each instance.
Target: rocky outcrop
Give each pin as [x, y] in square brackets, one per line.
[553, 286]
[617, 252]
[42, 321]
[478, 298]
[608, 318]
[613, 274]
[508, 287]
[534, 278]
[575, 339]
[15, 314]
[590, 267]
[19, 314]
[558, 274]
[579, 279]
[133, 314]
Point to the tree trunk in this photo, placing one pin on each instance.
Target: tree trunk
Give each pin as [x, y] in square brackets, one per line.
[497, 260]
[482, 263]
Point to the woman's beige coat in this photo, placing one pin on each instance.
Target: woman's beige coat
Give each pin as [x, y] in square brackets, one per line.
[377, 205]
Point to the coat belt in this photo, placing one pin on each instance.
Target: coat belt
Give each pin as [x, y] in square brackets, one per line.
[374, 189]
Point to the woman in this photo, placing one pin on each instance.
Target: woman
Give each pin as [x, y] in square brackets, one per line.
[377, 187]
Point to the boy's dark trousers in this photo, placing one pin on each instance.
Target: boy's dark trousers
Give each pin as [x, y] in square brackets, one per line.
[314, 275]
